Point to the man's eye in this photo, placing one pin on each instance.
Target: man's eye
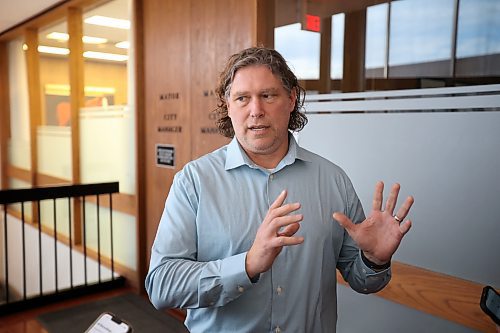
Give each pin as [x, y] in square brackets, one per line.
[241, 98]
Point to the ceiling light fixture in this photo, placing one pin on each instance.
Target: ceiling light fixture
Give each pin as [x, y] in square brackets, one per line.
[53, 50]
[108, 22]
[86, 54]
[123, 45]
[105, 56]
[62, 37]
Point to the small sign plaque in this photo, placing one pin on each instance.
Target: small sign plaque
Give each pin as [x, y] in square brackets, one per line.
[165, 156]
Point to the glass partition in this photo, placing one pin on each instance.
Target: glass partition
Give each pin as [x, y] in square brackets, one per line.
[376, 40]
[54, 133]
[19, 143]
[106, 121]
[337, 54]
[300, 48]
[478, 38]
[420, 33]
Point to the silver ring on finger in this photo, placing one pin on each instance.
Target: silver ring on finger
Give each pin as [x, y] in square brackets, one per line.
[397, 218]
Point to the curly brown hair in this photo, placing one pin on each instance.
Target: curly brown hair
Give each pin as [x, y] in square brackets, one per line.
[278, 66]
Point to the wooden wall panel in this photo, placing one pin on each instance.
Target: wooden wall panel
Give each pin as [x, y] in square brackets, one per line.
[354, 51]
[209, 48]
[217, 32]
[167, 90]
[185, 46]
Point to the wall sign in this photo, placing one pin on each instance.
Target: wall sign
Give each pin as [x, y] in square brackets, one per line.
[165, 156]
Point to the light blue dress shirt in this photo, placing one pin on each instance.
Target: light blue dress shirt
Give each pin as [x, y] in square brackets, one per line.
[211, 216]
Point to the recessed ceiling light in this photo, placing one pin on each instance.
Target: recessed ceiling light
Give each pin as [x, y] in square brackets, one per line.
[53, 50]
[108, 22]
[105, 56]
[123, 45]
[62, 37]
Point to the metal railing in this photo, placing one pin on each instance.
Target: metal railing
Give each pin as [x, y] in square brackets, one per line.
[36, 236]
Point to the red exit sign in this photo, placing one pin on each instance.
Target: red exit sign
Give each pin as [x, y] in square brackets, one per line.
[313, 23]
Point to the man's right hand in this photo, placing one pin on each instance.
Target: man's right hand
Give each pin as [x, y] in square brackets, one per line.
[277, 230]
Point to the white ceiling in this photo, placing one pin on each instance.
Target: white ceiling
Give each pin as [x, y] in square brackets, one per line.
[13, 12]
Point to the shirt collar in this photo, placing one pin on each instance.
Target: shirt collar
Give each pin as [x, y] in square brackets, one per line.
[237, 157]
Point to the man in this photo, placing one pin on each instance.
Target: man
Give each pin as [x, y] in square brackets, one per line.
[247, 242]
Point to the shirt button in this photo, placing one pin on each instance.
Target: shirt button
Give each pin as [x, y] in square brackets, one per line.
[241, 289]
[279, 290]
[271, 177]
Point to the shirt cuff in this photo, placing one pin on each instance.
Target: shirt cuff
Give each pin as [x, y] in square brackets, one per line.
[373, 266]
[234, 276]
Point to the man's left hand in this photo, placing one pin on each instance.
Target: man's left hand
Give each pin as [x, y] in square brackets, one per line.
[380, 234]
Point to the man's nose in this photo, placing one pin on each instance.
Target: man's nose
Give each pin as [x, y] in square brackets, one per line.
[256, 109]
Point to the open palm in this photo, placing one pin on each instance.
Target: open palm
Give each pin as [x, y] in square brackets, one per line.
[380, 234]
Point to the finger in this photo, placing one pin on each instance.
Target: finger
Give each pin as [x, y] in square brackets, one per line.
[280, 199]
[377, 196]
[286, 241]
[289, 230]
[405, 227]
[343, 220]
[405, 208]
[284, 210]
[392, 199]
[284, 221]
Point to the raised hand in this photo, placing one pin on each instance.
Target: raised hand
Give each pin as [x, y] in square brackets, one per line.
[277, 230]
[380, 234]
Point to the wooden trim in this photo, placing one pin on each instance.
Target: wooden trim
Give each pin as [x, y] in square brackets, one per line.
[44, 179]
[354, 51]
[76, 74]
[435, 293]
[140, 130]
[76, 79]
[34, 93]
[264, 20]
[21, 174]
[35, 102]
[325, 80]
[4, 113]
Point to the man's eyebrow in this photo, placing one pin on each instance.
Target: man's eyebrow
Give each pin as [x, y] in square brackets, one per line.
[270, 90]
[240, 93]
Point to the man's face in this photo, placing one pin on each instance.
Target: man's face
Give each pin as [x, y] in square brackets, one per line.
[260, 108]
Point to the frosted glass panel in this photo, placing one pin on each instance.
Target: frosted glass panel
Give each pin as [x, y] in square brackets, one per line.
[54, 151]
[19, 145]
[107, 150]
[124, 234]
